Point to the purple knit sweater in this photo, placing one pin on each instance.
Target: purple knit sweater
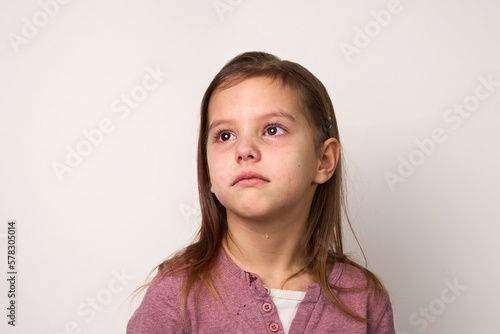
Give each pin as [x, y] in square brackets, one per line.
[249, 309]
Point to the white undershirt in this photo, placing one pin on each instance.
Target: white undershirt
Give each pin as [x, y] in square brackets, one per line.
[286, 302]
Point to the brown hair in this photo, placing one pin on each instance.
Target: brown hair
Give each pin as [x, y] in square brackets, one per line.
[322, 243]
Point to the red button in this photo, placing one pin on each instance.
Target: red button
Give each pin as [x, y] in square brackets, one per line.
[267, 289]
[267, 307]
[274, 327]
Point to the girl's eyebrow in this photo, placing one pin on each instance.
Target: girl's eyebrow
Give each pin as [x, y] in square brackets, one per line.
[279, 114]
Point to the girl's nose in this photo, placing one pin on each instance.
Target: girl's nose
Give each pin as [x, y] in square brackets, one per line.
[247, 151]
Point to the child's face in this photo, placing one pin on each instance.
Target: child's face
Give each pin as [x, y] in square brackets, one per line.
[258, 132]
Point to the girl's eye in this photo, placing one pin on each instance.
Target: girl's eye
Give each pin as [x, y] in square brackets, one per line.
[224, 136]
[274, 130]
[271, 130]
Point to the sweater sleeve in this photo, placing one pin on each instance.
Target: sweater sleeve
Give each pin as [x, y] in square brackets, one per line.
[373, 304]
[382, 312]
[159, 312]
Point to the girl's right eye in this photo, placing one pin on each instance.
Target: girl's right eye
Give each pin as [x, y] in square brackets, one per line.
[224, 136]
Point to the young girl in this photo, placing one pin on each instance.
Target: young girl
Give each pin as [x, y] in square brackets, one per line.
[269, 255]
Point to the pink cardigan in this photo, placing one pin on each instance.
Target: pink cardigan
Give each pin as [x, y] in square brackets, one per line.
[249, 309]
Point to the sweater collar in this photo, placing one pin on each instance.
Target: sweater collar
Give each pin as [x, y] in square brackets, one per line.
[253, 280]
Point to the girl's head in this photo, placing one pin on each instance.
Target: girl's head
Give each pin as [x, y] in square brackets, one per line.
[273, 96]
[251, 91]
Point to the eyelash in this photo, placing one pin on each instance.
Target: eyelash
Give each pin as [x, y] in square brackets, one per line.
[269, 125]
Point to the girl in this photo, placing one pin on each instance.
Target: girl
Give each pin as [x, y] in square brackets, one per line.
[269, 255]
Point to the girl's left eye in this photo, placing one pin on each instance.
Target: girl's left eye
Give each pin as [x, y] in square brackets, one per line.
[274, 130]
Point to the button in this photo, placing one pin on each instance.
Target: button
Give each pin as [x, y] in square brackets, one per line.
[274, 327]
[267, 307]
[267, 289]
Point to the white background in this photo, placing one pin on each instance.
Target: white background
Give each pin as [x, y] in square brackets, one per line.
[132, 200]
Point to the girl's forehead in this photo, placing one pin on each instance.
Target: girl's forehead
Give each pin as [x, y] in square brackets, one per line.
[254, 96]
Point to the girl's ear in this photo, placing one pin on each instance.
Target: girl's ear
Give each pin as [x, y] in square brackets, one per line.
[327, 161]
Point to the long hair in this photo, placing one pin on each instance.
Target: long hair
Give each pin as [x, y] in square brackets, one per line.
[322, 244]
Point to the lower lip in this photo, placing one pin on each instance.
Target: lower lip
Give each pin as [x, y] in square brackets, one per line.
[250, 182]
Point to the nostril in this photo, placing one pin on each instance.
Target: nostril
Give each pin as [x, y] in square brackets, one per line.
[249, 156]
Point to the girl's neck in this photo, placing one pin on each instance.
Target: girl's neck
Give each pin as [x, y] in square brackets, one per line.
[268, 249]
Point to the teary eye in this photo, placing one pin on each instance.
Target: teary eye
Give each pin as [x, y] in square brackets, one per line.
[274, 130]
[223, 135]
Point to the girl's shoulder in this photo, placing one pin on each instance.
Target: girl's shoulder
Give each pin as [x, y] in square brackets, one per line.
[159, 311]
[167, 281]
[363, 292]
[164, 283]
[354, 282]
[351, 275]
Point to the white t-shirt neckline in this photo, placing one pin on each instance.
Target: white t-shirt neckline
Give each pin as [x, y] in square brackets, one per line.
[287, 303]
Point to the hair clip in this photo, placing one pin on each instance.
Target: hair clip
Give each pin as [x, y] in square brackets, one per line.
[327, 124]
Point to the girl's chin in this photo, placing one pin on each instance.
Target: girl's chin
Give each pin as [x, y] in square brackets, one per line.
[259, 214]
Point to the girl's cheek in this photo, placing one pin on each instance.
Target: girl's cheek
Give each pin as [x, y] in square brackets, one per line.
[219, 175]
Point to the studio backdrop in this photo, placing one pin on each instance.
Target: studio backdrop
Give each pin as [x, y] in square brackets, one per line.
[99, 116]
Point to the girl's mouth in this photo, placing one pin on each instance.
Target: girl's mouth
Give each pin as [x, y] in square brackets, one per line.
[249, 178]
